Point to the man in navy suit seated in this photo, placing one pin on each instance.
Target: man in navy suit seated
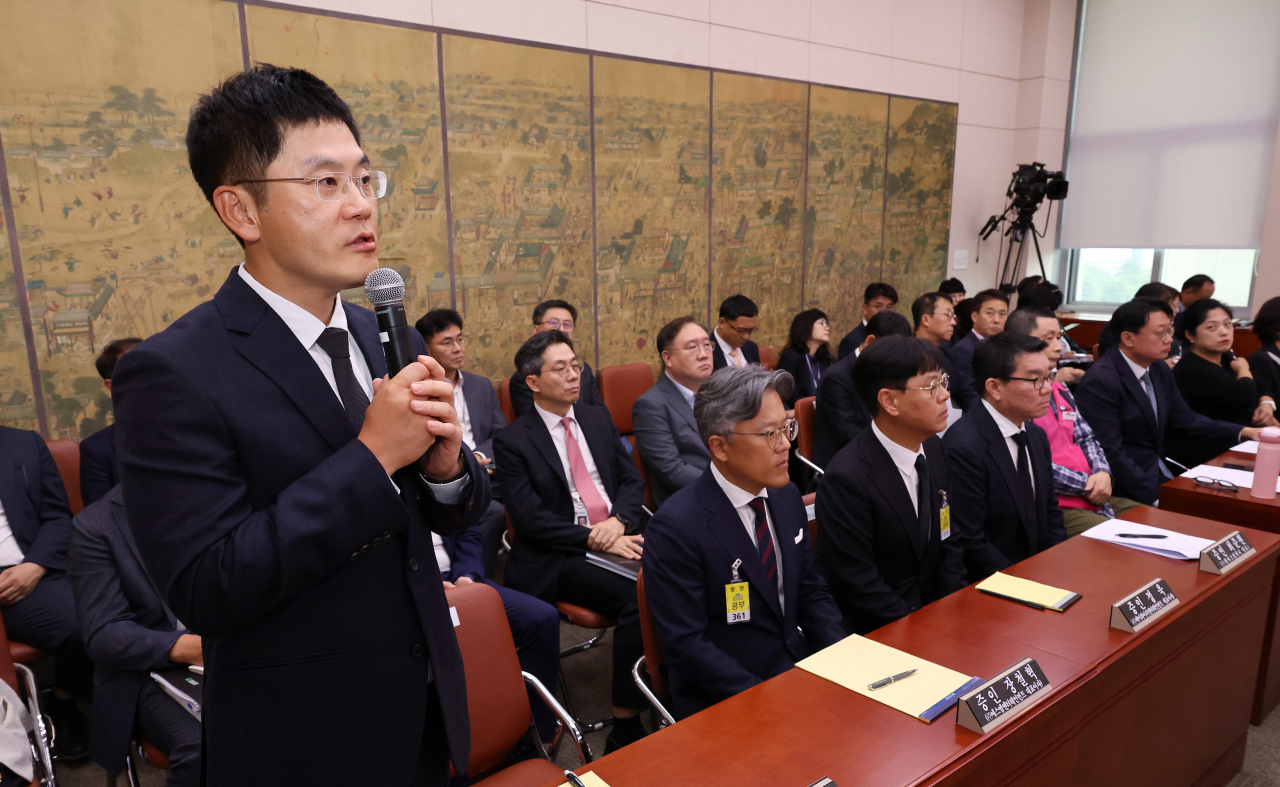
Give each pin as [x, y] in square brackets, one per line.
[1132, 402]
[1003, 508]
[741, 524]
[555, 315]
[990, 309]
[878, 297]
[98, 472]
[737, 321]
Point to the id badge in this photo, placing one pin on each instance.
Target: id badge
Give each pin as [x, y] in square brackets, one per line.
[737, 602]
[580, 511]
[944, 517]
[1070, 415]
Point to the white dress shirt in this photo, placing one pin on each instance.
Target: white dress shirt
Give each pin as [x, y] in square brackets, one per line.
[1009, 429]
[741, 499]
[557, 437]
[10, 552]
[685, 392]
[728, 351]
[905, 460]
[442, 554]
[464, 415]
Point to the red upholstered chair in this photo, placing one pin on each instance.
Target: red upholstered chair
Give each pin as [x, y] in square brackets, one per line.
[504, 400]
[21, 680]
[813, 520]
[620, 387]
[768, 359]
[806, 417]
[66, 453]
[496, 699]
[651, 662]
[650, 502]
[146, 751]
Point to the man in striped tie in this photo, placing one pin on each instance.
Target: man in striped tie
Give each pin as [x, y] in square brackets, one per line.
[729, 573]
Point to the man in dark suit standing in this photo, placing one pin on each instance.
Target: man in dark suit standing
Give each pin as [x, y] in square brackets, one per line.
[741, 526]
[282, 489]
[733, 345]
[1132, 402]
[98, 471]
[990, 309]
[571, 487]
[555, 316]
[1004, 509]
[129, 631]
[479, 414]
[35, 594]
[666, 432]
[878, 297]
[885, 543]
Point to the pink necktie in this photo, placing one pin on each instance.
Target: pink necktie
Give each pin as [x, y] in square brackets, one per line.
[737, 358]
[597, 511]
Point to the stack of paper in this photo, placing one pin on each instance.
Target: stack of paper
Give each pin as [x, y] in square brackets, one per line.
[1247, 447]
[1175, 545]
[856, 662]
[1241, 478]
[1046, 596]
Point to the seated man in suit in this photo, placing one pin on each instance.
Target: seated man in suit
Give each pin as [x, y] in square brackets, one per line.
[989, 310]
[885, 543]
[742, 523]
[1003, 506]
[129, 631]
[478, 412]
[935, 321]
[1132, 402]
[570, 487]
[1152, 289]
[839, 413]
[35, 594]
[98, 472]
[876, 298]
[666, 433]
[733, 345]
[554, 316]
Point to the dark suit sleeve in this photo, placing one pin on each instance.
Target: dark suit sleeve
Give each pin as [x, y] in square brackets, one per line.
[845, 410]
[49, 548]
[847, 345]
[96, 472]
[467, 556]
[497, 421]
[590, 389]
[951, 571]
[1263, 373]
[817, 613]
[1056, 522]
[967, 472]
[531, 518]
[521, 396]
[657, 444]
[962, 390]
[112, 636]
[961, 393]
[221, 564]
[1098, 396]
[1192, 424]
[789, 361]
[628, 498]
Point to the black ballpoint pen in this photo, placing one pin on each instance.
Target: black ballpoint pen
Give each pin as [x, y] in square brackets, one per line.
[1031, 604]
[573, 779]
[1139, 535]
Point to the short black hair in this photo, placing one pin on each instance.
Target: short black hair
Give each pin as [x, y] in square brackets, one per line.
[802, 328]
[1154, 289]
[1044, 294]
[736, 306]
[889, 363]
[541, 309]
[879, 289]
[1026, 319]
[964, 319]
[435, 321]
[988, 295]
[1196, 314]
[1266, 323]
[238, 128]
[888, 323]
[106, 362]
[1131, 317]
[997, 357]
[668, 333]
[925, 304]
[1196, 282]
[529, 356]
[1028, 283]
[951, 286]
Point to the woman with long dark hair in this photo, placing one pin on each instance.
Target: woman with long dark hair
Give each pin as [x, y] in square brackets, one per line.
[808, 353]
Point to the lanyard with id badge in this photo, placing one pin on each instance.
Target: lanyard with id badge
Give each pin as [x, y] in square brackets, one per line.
[580, 510]
[944, 516]
[737, 598]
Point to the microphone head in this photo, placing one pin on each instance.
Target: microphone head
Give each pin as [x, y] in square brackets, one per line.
[384, 286]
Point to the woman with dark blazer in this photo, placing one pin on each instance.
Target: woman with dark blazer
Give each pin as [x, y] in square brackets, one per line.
[1265, 361]
[808, 354]
[1212, 380]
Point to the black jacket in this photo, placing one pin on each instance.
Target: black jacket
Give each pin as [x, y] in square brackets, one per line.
[35, 501]
[1214, 391]
[1264, 362]
[840, 414]
[869, 543]
[98, 471]
[852, 341]
[794, 363]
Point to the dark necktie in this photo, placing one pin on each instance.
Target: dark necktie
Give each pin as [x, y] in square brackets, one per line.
[924, 511]
[1024, 466]
[764, 542]
[334, 342]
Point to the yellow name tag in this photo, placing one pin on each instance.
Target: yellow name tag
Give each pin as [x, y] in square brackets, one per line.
[944, 521]
[737, 602]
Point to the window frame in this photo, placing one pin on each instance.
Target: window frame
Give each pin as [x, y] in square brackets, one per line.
[1072, 269]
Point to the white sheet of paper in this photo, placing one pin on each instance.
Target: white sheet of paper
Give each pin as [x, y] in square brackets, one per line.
[1247, 447]
[1176, 545]
[1241, 478]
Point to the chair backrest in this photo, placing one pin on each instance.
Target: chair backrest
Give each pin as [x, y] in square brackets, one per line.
[66, 453]
[652, 649]
[620, 387]
[496, 697]
[768, 359]
[504, 400]
[1096, 351]
[649, 500]
[806, 415]
[813, 520]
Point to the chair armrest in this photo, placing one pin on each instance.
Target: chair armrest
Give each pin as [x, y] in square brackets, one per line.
[584, 750]
[667, 719]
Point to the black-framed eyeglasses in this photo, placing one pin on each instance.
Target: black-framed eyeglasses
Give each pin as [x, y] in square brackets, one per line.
[1036, 382]
[335, 186]
[773, 437]
[1215, 483]
[743, 332]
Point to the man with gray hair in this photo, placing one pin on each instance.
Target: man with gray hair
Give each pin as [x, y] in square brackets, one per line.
[729, 575]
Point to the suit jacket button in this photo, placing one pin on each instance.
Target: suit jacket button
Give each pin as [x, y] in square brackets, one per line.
[355, 555]
[386, 535]
[417, 650]
[413, 564]
[364, 548]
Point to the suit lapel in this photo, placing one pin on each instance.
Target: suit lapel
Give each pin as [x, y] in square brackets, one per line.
[12, 482]
[999, 450]
[121, 525]
[788, 553]
[726, 526]
[475, 406]
[888, 481]
[541, 439]
[931, 488]
[364, 327]
[676, 401]
[1134, 387]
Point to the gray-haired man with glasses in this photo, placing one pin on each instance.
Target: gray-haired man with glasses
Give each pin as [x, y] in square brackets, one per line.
[728, 570]
[1004, 508]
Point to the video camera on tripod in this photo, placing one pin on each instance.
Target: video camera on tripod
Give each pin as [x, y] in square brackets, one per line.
[1031, 185]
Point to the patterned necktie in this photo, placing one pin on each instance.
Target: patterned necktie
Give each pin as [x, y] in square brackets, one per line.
[334, 342]
[924, 511]
[1148, 385]
[597, 511]
[764, 542]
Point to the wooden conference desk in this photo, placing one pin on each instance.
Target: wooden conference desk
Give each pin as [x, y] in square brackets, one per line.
[1167, 706]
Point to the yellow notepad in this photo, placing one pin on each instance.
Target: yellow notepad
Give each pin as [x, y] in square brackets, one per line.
[1053, 598]
[856, 662]
[590, 779]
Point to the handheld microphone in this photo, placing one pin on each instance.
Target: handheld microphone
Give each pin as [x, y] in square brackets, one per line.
[385, 290]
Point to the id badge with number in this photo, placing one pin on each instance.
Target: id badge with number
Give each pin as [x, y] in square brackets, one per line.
[944, 517]
[737, 602]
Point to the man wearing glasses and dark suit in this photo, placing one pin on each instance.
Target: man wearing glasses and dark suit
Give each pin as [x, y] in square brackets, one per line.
[733, 345]
[555, 316]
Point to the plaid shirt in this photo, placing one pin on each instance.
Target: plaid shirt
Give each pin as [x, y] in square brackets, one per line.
[1071, 483]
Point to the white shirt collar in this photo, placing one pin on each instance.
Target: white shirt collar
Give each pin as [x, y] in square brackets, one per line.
[551, 419]
[685, 392]
[301, 322]
[458, 385]
[725, 348]
[1138, 371]
[1007, 428]
[738, 497]
[903, 457]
